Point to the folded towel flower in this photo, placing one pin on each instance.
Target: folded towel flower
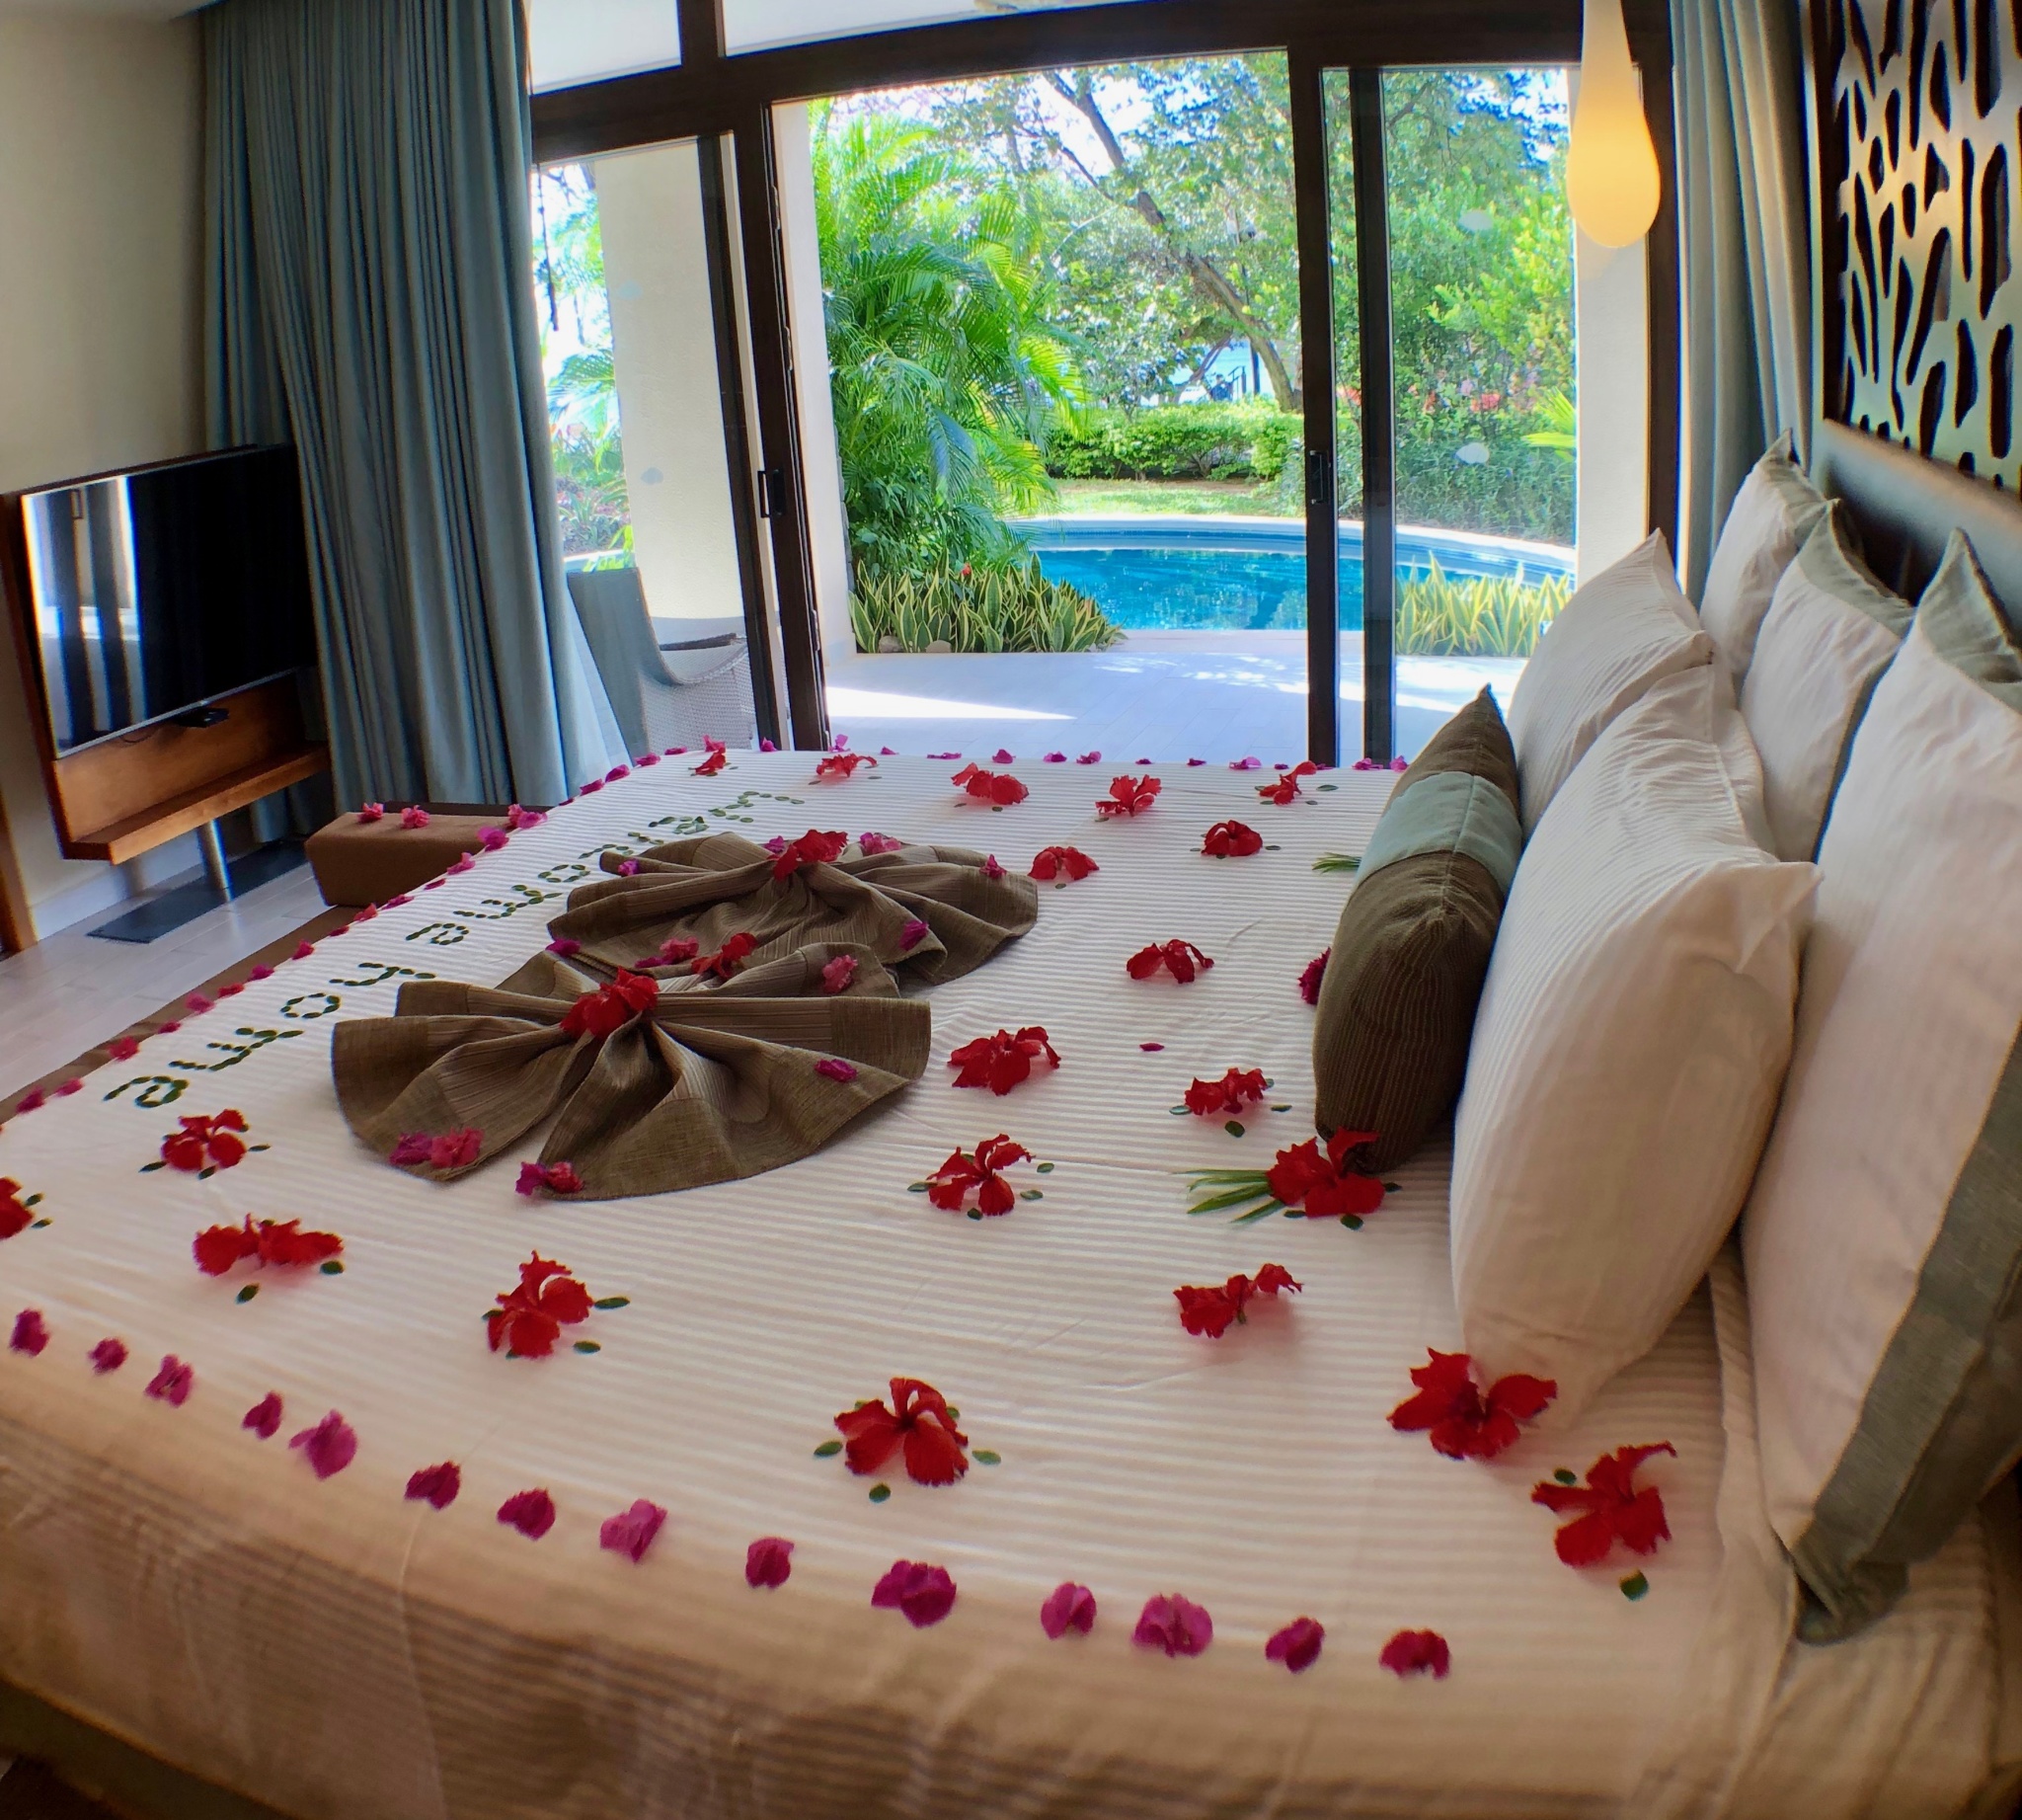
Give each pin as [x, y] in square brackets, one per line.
[650, 1084]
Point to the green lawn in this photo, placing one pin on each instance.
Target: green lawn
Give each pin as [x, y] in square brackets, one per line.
[1111, 498]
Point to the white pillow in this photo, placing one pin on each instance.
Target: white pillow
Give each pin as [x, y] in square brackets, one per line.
[1766, 525]
[1631, 1040]
[1832, 630]
[1883, 1241]
[1627, 628]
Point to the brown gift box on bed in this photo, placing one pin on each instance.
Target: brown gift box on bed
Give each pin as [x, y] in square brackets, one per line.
[358, 862]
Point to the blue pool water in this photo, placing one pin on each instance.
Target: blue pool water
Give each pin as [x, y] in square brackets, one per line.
[1205, 574]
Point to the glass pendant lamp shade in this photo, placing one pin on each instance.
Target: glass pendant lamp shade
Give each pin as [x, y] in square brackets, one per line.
[1611, 178]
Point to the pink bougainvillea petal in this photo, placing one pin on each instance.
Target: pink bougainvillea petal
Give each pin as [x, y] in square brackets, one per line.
[438, 1485]
[1068, 1606]
[1416, 1652]
[1174, 1625]
[920, 1590]
[173, 1382]
[836, 1068]
[531, 1513]
[912, 934]
[31, 1332]
[632, 1529]
[1297, 1645]
[107, 1355]
[263, 1418]
[329, 1447]
[768, 1561]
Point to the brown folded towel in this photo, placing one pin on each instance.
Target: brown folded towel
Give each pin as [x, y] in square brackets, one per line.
[708, 1083]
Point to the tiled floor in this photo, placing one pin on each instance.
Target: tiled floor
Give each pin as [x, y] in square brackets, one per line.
[1165, 696]
[72, 989]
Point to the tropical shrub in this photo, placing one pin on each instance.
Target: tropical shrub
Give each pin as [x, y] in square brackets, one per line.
[1013, 609]
[1477, 616]
[1251, 440]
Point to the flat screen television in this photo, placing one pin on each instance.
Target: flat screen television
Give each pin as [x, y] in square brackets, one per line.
[155, 591]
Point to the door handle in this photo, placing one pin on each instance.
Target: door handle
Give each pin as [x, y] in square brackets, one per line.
[771, 492]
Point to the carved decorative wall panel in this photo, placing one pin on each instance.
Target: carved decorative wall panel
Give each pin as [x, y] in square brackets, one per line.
[1921, 148]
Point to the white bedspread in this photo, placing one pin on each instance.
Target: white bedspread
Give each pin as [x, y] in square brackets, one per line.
[338, 1650]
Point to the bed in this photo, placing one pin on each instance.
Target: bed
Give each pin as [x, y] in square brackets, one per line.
[330, 1646]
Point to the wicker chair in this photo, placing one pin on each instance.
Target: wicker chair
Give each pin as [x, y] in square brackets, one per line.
[663, 694]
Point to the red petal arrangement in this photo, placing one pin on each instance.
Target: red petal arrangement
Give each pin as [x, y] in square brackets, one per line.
[454, 1150]
[812, 848]
[1315, 971]
[1287, 788]
[205, 1142]
[1181, 959]
[1615, 1511]
[1297, 1645]
[15, 1215]
[1057, 863]
[1232, 840]
[924, 1593]
[530, 1316]
[727, 960]
[1129, 796]
[1329, 1186]
[272, 1241]
[719, 757]
[919, 1421]
[1464, 1423]
[1416, 1652]
[989, 786]
[1238, 1088]
[841, 764]
[980, 1174]
[611, 1008]
[1174, 1625]
[1209, 1312]
[999, 1063]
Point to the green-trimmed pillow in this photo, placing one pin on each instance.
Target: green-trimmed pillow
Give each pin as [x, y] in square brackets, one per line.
[1397, 1000]
[1883, 1239]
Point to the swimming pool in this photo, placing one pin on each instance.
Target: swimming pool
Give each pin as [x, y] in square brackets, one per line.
[1248, 574]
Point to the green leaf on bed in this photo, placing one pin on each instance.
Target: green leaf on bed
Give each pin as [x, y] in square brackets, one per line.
[148, 1168]
[828, 1450]
[1635, 1586]
[1046, 1168]
[33, 1200]
[41, 1222]
[984, 1457]
[613, 1301]
[1354, 1221]
[1234, 1128]
[1256, 1212]
[1338, 862]
[880, 1492]
[1032, 1194]
[588, 1346]
[1326, 786]
[333, 1267]
[915, 1188]
[249, 1291]
[1565, 1475]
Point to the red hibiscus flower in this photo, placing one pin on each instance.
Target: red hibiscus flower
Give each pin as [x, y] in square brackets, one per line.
[1232, 840]
[1129, 796]
[917, 1421]
[1181, 959]
[1464, 1423]
[1328, 1185]
[989, 786]
[1209, 1312]
[727, 960]
[1174, 1625]
[529, 1318]
[455, 1149]
[1297, 1645]
[812, 848]
[841, 764]
[1416, 1652]
[1055, 862]
[999, 1063]
[1287, 788]
[719, 757]
[1617, 1511]
[923, 1592]
[15, 1215]
[611, 1008]
[547, 1178]
[963, 1174]
[1315, 971]
[272, 1241]
[205, 1141]
[1238, 1088]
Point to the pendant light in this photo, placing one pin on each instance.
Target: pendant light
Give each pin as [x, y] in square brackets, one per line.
[1611, 178]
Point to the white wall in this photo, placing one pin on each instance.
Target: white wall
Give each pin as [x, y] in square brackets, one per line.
[101, 235]
[663, 358]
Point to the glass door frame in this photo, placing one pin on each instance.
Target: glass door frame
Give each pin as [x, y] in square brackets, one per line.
[711, 93]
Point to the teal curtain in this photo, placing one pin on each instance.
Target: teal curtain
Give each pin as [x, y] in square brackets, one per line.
[369, 298]
[1745, 226]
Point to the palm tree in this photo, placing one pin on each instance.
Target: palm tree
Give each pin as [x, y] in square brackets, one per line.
[944, 373]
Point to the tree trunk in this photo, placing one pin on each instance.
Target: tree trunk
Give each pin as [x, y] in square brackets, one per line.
[1210, 283]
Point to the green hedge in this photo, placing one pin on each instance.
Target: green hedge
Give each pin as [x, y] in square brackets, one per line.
[977, 609]
[1198, 442]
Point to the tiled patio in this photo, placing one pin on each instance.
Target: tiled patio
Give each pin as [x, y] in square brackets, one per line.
[1164, 696]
